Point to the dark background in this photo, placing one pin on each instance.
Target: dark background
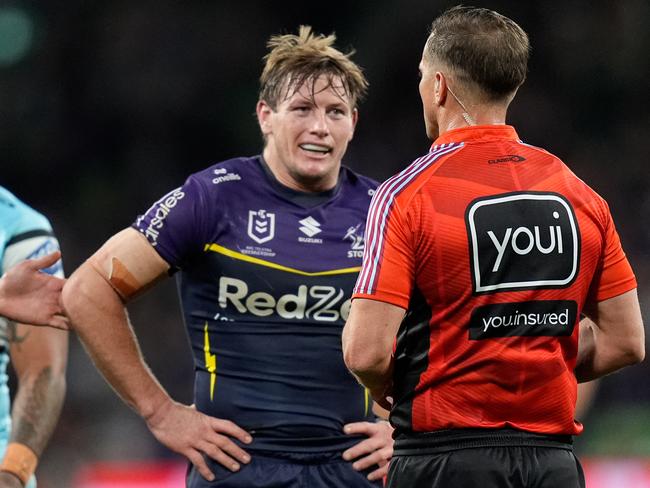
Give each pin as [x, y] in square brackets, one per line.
[105, 106]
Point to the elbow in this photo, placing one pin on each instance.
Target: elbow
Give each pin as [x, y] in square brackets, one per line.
[361, 361]
[351, 360]
[637, 353]
[632, 352]
[635, 350]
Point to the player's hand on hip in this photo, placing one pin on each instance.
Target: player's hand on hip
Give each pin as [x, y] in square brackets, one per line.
[8, 480]
[193, 434]
[32, 297]
[375, 451]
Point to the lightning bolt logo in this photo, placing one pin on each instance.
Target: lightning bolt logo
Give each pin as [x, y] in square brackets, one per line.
[210, 360]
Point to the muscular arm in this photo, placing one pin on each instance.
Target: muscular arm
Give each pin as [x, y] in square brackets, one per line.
[39, 356]
[94, 299]
[368, 338]
[96, 310]
[613, 339]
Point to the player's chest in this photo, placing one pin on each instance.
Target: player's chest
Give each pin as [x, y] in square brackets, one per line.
[308, 240]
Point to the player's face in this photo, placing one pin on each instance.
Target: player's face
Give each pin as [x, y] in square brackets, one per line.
[428, 95]
[307, 135]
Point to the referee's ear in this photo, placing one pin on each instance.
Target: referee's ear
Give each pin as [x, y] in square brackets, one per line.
[440, 88]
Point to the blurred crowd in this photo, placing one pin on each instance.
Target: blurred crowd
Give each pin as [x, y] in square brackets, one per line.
[105, 106]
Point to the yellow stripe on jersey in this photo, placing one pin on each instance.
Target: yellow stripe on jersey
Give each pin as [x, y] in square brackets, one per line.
[210, 360]
[244, 257]
[366, 395]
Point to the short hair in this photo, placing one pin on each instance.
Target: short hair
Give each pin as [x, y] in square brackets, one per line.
[296, 59]
[481, 46]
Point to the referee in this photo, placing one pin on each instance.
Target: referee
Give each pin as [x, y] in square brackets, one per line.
[480, 258]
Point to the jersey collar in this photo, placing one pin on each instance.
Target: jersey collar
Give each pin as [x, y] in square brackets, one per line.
[477, 133]
[300, 198]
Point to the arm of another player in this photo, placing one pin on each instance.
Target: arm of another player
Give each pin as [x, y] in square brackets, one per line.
[29, 296]
[368, 338]
[376, 449]
[614, 338]
[94, 298]
[39, 356]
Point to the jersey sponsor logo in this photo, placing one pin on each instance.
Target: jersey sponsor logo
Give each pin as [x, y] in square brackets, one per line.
[357, 238]
[159, 213]
[222, 176]
[323, 303]
[535, 318]
[508, 158]
[310, 227]
[522, 241]
[261, 225]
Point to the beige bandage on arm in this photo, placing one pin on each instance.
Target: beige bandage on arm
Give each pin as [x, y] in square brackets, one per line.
[122, 280]
[119, 277]
[20, 461]
[129, 264]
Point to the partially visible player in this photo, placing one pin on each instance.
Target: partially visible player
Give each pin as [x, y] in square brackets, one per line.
[30, 296]
[492, 248]
[268, 249]
[38, 354]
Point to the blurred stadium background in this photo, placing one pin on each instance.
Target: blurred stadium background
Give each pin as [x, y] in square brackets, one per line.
[106, 105]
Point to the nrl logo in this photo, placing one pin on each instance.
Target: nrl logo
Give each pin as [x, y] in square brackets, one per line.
[261, 225]
[356, 248]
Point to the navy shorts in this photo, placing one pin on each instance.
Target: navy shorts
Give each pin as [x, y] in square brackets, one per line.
[286, 470]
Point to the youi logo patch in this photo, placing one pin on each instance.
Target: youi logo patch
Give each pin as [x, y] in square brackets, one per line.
[522, 241]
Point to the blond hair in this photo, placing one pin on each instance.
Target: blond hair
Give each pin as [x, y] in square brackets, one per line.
[294, 60]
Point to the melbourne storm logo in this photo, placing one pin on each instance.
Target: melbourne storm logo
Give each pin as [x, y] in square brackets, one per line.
[522, 241]
[357, 238]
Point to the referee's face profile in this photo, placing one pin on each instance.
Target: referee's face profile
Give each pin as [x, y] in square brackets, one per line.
[308, 133]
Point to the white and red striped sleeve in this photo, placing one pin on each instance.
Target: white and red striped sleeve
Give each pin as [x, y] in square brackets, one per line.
[389, 257]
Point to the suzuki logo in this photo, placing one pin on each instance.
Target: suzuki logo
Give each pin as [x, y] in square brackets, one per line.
[261, 226]
[310, 226]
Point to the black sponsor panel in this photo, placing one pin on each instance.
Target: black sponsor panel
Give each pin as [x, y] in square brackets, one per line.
[522, 241]
[411, 360]
[535, 318]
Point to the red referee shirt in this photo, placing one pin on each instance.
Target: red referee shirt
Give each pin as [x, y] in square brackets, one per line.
[494, 247]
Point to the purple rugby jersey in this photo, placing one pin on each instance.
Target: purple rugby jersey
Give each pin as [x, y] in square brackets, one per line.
[266, 275]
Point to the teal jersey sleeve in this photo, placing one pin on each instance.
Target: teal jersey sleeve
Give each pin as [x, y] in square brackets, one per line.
[24, 234]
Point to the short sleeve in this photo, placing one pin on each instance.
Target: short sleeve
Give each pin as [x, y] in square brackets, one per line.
[387, 273]
[614, 275]
[173, 225]
[31, 238]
